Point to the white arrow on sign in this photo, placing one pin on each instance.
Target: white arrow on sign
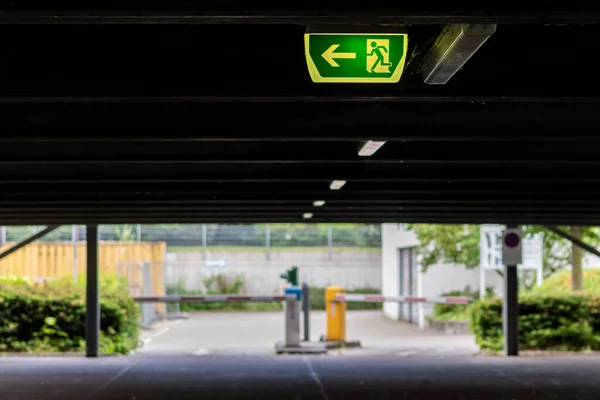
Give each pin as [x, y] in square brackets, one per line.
[330, 56]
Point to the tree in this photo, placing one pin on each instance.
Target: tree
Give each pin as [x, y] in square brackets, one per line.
[125, 232]
[459, 244]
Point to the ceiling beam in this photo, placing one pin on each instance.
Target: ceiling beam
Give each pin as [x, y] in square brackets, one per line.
[583, 13]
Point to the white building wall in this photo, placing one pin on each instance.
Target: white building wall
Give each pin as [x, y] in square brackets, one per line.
[354, 269]
[393, 237]
[438, 279]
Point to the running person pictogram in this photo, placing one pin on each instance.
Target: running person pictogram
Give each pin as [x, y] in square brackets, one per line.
[377, 50]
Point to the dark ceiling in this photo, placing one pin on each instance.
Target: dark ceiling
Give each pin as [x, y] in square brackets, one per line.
[124, 114]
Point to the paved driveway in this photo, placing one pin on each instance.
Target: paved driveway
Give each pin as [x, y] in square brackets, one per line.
[257, 332]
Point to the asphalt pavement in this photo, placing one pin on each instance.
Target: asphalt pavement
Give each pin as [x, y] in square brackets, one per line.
[257, 332]
[233, 377]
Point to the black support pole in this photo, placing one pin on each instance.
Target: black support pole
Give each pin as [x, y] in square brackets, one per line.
[510, 314]
[92, 313]
[30, 239]
[306, 310]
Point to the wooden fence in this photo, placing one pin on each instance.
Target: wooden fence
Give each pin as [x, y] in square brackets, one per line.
[41, 260]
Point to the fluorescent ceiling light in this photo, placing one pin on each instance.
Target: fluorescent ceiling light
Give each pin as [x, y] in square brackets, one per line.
[369, 148]
[454, 47]
[319, 203]
[307, 215]
[337, 185]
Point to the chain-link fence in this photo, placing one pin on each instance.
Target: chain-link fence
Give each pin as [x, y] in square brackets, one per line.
[198, 235]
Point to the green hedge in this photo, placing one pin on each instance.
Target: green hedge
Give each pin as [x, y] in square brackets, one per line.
[546, 322]
[219, 284]
[51, 317]
[222, 283]
[455, 312]
[317, 299]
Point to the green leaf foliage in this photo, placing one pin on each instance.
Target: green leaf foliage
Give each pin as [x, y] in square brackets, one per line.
[457, 312]
[51, 317]
[459, 244]
[456, 244]
[546, 322]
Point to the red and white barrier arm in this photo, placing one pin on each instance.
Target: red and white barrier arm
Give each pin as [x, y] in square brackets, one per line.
[374, 298]
[211, 298]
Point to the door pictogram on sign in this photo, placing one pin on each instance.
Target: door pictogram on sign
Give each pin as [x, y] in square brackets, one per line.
[378, 56]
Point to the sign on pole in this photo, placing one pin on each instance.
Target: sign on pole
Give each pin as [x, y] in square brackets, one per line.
[491, 253]
[355, 57]
[512, 251]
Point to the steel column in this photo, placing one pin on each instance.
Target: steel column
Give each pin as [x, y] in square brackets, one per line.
[204, 242]
[268, 241]
[410, 283]
[330, 242]
[306, 310]
[92, 300]
[573, 240]
[510, 311]
[30, 239]
[74, 239]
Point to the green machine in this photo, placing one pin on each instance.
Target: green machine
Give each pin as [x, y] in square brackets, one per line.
[291, 275]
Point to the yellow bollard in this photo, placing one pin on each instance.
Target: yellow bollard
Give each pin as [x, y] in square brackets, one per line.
[336, 315]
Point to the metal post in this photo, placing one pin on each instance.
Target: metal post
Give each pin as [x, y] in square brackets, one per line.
[92, 300]
[306, 310]
[268, 241]
[148, 309]
[410, 284]
[401, 282]
[330, 242]
[138, 232]
[481, 281]
[510, 314]
[292, 322]
[74, 239]
[2, 235]
[540, 275]
[420, 306]
[204, 242]
[177, 305]
[30, 239]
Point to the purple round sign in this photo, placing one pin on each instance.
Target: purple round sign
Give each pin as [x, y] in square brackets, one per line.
[512, 239]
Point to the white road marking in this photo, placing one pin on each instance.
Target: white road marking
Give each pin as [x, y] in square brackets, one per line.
[158, 333]
[406, 353]
[119, 374]
[315, 377]
[446, 349]
[200, 352]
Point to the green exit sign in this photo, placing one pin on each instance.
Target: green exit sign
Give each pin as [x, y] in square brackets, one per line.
[355, 57]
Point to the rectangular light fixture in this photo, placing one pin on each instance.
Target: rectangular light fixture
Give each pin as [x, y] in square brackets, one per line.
[318, 203]
[369, 148]
[307, 215]
[453, 48]
[337, 185]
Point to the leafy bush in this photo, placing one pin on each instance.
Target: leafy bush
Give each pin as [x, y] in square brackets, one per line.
[561, 283]
[51, 316]
[317, 299]
[450, 312]
[215, 284]
[546, 322]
